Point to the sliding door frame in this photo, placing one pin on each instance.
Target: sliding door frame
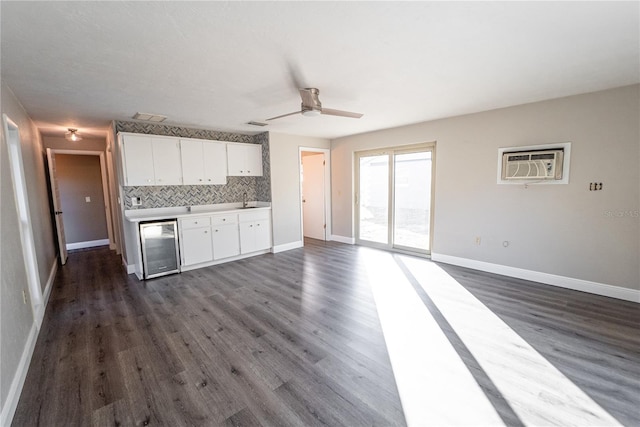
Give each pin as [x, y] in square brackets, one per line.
[391, 153]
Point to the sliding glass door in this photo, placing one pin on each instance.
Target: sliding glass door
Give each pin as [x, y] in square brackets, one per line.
[394, 189]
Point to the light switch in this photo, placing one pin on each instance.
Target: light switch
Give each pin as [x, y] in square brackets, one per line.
[87, 199]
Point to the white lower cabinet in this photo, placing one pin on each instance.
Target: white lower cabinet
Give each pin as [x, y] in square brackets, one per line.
[195, 240]
[226, 239]
[255, 233]
[216, 237]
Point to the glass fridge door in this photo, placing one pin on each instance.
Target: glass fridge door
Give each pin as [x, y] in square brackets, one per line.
[159, 248]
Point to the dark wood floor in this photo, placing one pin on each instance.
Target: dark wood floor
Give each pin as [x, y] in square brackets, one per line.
[293, 338]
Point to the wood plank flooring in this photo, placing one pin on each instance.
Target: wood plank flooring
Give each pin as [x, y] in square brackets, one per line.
[288, 339]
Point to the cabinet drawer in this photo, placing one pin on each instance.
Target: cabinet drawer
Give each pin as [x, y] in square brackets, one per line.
[224, 219]
[254, 215]
[201, 221]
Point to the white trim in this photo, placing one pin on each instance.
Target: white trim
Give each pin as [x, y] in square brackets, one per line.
[343, 239]
[11, 402]
[287, 246]
[327, 188]
[105, 189]
[87, 244]
[602, 289]
[49, 286]
[131, 268]
[21, 200]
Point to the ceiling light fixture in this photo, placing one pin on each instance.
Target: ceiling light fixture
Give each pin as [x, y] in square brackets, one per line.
[72, 135]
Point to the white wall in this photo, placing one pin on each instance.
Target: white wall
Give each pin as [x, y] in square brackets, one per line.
[285, 185]
[562, 230]
[16, 318]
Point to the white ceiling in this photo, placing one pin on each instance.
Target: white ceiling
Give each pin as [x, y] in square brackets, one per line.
[217, 65]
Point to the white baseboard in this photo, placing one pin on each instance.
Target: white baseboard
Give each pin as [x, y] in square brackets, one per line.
[13, 396]
[49, 285]
[87, 244]
[603, 289]
[287, 246]
[343, 239]
[131, 269]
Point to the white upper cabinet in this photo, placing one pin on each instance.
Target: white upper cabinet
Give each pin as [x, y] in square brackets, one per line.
[137, 155]
[150, 160]
[244, 159]
[166, 161]
[203, 162]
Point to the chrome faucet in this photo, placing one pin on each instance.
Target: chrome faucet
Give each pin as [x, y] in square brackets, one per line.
[244, 200]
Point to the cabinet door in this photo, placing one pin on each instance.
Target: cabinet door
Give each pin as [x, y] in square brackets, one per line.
[192, 163]
[253, 159]
[138, 160]
[226, 241]
[247, 238]
[166, 161]
[244, 159]
[236, 160]
[214, 155]
[196, 245]
[262, 233]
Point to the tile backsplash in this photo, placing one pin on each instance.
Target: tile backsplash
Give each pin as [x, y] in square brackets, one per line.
[257, 188]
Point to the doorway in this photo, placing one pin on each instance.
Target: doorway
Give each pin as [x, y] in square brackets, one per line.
[80, 194]
[394, 198]
[315, 189]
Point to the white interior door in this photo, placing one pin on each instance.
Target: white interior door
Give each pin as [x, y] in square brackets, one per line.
[57, 206]
[313, 197]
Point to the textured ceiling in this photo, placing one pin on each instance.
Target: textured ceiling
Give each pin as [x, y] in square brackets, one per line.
[217, 65]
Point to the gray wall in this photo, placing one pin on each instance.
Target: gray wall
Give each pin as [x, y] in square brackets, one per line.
[16, 318]
[565, 230]
[285, 184]
[78, 177]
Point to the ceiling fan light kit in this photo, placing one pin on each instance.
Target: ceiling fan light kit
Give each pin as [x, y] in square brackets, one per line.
[311, 106]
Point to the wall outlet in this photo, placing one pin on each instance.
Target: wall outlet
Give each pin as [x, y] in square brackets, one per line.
[87, 199]
[478, 241]
[136, 201]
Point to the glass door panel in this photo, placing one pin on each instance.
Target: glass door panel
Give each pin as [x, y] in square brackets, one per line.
[412, 200]
[373, 203]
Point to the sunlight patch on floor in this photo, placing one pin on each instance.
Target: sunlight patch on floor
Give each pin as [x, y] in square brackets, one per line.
[537, 391]
[434, 384]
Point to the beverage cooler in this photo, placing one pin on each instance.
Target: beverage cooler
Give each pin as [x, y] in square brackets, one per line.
[159, 242]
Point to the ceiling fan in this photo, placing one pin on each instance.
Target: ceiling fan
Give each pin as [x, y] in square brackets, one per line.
[311, 106]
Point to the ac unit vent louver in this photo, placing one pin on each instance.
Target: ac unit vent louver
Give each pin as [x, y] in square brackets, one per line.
[543, 165]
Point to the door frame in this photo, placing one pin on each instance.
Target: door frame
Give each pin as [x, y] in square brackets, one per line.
[104, 181]
[391, 151]
[327, 190]
[14, 145]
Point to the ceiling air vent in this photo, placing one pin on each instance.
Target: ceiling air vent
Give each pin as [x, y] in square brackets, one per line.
[252, 123]
[157, 118]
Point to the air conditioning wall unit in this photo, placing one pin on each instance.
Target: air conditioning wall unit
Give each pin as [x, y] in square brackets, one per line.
[548, 164]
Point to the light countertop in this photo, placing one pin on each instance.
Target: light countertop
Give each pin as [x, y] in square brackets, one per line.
[138, 215]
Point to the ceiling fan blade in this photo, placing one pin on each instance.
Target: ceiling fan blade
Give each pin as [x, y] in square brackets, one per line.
[341, 113]
[285, 115]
